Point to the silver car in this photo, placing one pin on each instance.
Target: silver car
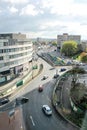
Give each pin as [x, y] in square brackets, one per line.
[47, 110]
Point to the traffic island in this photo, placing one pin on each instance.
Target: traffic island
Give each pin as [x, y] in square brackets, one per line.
[78, 100]
[63, 109]
[75, 110]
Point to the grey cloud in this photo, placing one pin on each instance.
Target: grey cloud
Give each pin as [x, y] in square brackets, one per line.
[24, 23]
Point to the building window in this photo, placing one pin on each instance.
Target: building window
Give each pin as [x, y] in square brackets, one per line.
[5, 43]
[1, 50]
[1, 58]
[6, 64]
[2, 65]
[6, 50]
[1, 44]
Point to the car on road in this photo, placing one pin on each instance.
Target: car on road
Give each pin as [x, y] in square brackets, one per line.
[62, 69]
[44, 77]
[69, 63]
[56, 76]
[40, 89]
[47, 110]
[4, 101]
[21, 100]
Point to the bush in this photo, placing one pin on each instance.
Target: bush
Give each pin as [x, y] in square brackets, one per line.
[77, 70]
[84, 59]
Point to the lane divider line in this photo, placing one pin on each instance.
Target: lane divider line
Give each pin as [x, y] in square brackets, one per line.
[32, 121]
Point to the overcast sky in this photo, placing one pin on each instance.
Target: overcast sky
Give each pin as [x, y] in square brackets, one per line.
[44, 18]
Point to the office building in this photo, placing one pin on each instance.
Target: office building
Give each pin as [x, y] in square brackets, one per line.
[65, 37]
[84, 46]
[15, 55]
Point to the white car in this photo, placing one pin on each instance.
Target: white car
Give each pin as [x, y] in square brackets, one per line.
[47, 110]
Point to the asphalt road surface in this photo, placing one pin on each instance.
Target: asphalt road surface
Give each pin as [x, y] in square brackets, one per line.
[34, 117]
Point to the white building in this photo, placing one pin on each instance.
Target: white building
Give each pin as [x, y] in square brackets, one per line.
[15, 55]
[65, 37]
[84, 46]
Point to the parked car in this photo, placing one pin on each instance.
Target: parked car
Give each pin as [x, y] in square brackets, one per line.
[56, 76]
[62, 69]
[4, 101]
[47, 110]
[40, 89]
[44, 77]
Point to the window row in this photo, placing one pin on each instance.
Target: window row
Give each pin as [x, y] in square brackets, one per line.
[14, 62]
[19, 55]
[14, 49]
[15, 42]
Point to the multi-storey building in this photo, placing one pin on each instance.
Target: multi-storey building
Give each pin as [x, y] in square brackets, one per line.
[84, 46]
[15, 54]
[66, 37]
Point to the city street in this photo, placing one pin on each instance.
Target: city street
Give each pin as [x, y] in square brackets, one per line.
[34, 118]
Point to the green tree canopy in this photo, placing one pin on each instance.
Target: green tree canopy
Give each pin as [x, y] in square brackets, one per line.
[54, 43]
[69, 48]
[84, 59]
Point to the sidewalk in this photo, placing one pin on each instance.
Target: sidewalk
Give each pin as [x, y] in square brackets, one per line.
[14, 122]
[10, 87]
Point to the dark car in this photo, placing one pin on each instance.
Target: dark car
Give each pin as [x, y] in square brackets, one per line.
[44, 77]
[4, 101]
[62, 69]
[40, 89]
[21, 100]
[56, 76]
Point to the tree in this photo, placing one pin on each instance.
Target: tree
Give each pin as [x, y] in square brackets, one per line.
[54, 43]
[69, 48]
[84, 59]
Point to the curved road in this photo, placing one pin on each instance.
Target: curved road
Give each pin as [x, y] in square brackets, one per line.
[33, 116]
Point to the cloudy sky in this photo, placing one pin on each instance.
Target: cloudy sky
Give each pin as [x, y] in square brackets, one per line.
[44, 18]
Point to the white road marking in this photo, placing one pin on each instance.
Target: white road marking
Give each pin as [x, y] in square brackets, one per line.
[32, 121]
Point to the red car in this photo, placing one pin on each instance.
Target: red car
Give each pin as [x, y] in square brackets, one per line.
[40, 89]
